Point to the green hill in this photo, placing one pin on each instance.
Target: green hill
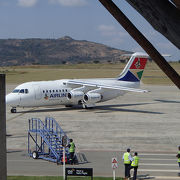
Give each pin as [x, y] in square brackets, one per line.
[55, 51]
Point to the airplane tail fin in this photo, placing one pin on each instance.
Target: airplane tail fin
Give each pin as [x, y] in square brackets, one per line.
[133, 71]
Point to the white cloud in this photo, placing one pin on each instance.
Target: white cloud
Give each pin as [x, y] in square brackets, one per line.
[109, 30]
[112, 35]
[106, 30]
[69, 2]
[27, 3]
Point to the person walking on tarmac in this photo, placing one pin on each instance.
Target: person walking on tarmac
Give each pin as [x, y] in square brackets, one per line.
[134, 165]
[71, 151]
[127, 162]
[178, 156]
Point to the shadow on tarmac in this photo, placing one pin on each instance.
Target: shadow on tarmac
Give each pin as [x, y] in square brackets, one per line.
[9, 135]
[49, 110]
[145, 176]
[15, 136]
[111, 108]
[14, 151]
[166, 101]
[103, 108]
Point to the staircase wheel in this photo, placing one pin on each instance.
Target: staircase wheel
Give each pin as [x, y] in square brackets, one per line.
[35, 154]
[13, 110]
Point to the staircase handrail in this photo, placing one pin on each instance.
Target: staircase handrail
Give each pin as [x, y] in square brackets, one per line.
[62, 133]
[41, 128]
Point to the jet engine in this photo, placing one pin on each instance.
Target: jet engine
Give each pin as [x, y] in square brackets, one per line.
[75, 96]
[91, 98]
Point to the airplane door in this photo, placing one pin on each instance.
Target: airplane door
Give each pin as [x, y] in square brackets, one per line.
[37, 91]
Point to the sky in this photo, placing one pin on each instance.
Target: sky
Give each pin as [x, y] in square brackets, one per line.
[79, 19]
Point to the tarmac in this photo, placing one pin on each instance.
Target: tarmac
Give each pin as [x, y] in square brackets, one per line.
[145, 122]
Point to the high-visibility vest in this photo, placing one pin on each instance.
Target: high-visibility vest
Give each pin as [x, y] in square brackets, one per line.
[135, 161]
[179, 156]
[126, 158]
[72, 147]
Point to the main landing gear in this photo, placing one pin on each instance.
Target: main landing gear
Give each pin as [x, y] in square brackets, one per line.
[13, 110]
[88, 106]
[68, 105]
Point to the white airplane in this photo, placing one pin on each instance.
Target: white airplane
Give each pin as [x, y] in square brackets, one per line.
[85, 92]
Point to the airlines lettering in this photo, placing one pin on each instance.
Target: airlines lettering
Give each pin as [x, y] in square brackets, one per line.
[58, 95]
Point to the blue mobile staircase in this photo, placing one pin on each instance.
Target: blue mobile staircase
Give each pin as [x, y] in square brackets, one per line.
[45, 140]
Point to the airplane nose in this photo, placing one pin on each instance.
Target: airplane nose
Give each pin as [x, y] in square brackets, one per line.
[12, 100]
[8, 99]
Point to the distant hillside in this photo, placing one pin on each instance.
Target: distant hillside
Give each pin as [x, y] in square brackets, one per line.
[55, 51]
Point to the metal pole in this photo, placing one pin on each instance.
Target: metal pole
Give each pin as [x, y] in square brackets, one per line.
[3, 158]
[64, 163]
[142, 41]
[114, 174]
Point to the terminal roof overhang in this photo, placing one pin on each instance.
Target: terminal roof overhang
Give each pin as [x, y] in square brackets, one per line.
[163, 15]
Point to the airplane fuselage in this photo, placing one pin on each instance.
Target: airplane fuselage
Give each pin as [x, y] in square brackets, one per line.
[85, 92]
[49, 93]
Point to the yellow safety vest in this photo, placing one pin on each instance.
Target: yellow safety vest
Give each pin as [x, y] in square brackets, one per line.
[126, 158]
[179, 156]
[135, 161]
[72, 147]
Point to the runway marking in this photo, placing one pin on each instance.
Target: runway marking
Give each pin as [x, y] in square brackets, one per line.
[160, 177]
[152, 164]
[166, 177]
[153, 154]
[159, 159]
[158, 170]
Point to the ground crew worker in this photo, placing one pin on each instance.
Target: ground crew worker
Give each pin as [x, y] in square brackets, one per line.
[134, 164]
[178, 156]
[127, 162]
[71, 151]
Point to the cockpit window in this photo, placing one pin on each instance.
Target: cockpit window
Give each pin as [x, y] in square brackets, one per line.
[21, 91]
[26, 91]
[15, 90]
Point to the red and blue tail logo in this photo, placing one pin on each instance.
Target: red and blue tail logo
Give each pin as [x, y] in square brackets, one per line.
[134, 69]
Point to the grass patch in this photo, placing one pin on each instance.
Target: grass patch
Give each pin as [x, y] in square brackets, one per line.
[58, 178]
[17, 75]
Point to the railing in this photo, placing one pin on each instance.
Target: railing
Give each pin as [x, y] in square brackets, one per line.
[51, 134]
[36, 125]
[52, 126]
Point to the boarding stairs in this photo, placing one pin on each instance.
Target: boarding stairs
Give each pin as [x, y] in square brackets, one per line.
[45, 140]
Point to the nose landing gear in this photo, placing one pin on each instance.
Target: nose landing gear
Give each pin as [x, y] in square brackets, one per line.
[13, 110]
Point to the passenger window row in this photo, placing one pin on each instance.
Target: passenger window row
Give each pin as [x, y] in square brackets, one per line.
[50, 91]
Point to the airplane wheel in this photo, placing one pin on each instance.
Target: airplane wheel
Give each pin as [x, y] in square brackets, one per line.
[86, 107]
[89, 107]
[13, 110]
[68, 105]
[35, 154]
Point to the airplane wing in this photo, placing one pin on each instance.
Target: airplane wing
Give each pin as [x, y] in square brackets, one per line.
[89, 84]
